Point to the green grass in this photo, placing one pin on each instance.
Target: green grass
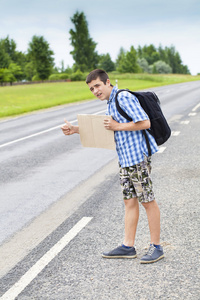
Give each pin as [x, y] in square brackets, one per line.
[19, 99]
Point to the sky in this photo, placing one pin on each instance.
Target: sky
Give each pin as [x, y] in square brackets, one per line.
[112, 24]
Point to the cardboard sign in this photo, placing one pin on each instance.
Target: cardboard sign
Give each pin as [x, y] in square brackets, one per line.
[93, 133]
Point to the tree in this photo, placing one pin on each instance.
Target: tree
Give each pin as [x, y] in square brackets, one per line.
[171, 52]
[16, 72]
[40, 54]
[149, 53]
[173, 59]
[21, 60]
[185, 70]
[5, 59]
[84, 54]
[5, 75]
[10, 47]
[9, 54]
[29, 71]
[163, 54]
[131, 65]
[106, 63]
[169, 55]
[62, 69]
[127, 62]
[120, 59]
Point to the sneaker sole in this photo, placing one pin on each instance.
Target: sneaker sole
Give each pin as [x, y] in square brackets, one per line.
[119, 256]
[151, 261]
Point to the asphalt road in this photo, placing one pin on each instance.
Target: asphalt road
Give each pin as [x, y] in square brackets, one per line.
[49, 184]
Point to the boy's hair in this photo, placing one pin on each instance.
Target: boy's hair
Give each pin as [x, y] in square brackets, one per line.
[97, 73]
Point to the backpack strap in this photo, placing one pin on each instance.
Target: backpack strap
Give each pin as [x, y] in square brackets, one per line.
[124, 114]
[120, 110]
[147, 142]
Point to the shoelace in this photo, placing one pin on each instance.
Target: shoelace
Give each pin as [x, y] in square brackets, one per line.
[151, 250]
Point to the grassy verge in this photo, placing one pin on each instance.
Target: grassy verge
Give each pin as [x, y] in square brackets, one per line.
[19, 99]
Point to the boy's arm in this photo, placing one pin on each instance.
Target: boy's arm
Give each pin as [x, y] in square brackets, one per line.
[130, 126]
[69, 129]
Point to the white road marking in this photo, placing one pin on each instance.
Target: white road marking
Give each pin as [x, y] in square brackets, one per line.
[41, 132]
[175, 133]
[185, 122]
[32, 135]
[192, 114]
[161, 149]
[175, 118]
[99, 112]
[196, 107]
[19, 286]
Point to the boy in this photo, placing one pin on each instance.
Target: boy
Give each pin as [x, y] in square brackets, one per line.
[135, 165]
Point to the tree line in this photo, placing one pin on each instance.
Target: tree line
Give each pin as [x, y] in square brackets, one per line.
[38, 61]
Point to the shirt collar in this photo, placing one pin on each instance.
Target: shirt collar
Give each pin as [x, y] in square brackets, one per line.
[112, 95]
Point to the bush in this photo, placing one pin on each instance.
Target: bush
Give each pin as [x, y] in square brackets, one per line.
[5, 75]
[142, 62]
[161, 67]
[36, 78]
[54, 77]
[64, 76]
[77, 76]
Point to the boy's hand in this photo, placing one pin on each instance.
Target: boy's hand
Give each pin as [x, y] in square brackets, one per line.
[68, 129]
[111, 124]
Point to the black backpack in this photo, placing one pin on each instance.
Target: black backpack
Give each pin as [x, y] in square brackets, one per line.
[149, 101]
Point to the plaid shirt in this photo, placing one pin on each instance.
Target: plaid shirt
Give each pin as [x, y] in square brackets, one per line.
[130, 145]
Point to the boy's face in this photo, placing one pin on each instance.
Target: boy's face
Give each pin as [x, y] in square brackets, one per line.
[99, 89]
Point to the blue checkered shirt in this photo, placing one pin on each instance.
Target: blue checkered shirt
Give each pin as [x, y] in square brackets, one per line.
[130, 145]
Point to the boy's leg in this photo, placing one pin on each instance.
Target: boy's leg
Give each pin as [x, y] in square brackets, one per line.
[153, 215]
[127, 249]
[146, 196]
[131, 221]
[155, 251]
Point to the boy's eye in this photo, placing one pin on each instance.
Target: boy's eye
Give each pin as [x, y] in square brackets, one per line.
[96, 86]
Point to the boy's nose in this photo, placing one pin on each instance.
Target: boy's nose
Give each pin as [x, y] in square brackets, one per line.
[95, 90]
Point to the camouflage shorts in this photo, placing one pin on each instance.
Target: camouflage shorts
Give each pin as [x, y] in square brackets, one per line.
[136, 182]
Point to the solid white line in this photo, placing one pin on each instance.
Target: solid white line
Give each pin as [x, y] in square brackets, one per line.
[41, 132]
[32, 135]
[99, 112]
[195, 108]
[19, 286]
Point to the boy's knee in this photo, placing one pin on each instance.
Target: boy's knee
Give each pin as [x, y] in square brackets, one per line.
[148, 204]
[131, 202]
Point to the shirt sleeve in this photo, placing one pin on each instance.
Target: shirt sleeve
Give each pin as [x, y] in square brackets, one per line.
[130, 104]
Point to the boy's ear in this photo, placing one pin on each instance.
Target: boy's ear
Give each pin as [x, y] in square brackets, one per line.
[108, 81]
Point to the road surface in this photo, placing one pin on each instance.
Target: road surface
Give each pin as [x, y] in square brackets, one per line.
[61, 207]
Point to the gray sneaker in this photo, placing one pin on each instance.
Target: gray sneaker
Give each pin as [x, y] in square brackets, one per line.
[154, 254]
[121, 252]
